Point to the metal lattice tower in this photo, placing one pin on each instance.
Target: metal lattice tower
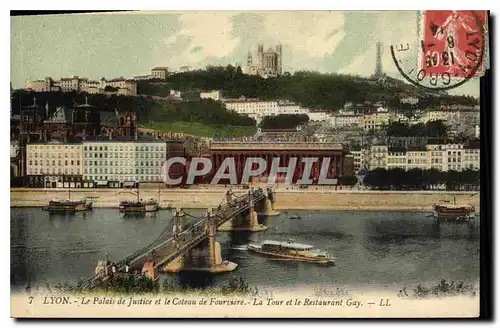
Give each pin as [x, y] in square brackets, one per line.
[378, 62]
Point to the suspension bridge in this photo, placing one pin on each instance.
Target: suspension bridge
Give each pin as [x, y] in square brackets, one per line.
[175, 240]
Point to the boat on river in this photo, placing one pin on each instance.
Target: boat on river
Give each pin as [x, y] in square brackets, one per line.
[446, 211]
[69, 205]
[292, 251]
[139, 205]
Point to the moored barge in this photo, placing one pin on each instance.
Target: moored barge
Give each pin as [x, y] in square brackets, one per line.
[446, 211]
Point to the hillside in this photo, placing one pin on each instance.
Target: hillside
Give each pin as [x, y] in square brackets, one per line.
[205, 118]
[309, 89]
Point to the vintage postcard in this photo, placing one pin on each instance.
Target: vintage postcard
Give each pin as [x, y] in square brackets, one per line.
[247, 164]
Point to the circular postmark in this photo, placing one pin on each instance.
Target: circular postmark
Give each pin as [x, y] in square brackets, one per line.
[450, 51]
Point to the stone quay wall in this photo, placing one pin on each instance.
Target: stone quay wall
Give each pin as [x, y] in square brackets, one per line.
[285, 199]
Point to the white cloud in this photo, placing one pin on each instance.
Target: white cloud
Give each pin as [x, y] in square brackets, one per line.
[209, 34]
[317, 33]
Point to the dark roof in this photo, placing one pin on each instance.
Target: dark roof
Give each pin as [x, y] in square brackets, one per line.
[61, 115]
[56, 141]
[396, 150]
[416, 148]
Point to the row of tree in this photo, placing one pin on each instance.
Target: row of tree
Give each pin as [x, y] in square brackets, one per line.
[432, 129]
[399, 179]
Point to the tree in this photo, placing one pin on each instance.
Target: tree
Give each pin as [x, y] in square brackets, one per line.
[283, 121]
[348, 180]
[109, 88]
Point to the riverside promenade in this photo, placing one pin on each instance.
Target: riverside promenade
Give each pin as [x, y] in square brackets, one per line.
[199, 197]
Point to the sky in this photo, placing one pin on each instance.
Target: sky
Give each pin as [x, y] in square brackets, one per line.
[130, 44]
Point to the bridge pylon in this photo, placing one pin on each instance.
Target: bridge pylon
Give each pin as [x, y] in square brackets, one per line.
[246, 221]
[186, 262]
[267, 209]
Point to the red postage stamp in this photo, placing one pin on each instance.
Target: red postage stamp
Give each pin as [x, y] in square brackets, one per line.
[454, 42]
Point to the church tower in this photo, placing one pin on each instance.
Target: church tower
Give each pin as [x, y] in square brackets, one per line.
[260, 56]
[249, 59]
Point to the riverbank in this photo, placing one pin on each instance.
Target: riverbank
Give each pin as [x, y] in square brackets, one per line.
[319, 199]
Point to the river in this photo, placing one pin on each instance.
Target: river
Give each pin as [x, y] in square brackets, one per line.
[374, 250]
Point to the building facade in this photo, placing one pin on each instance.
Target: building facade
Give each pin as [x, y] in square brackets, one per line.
[54, 164]
[258, 109]
[396, 159]
[340, 121]
[378, 157]
[318, 116]
[442, 157]
[214, 94]
[126, 87]
[160, 73]
[375, 121]
[123, 161]
[240, 151]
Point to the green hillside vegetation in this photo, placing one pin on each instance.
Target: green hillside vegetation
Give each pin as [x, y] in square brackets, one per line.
[283, 121]
[205, 118]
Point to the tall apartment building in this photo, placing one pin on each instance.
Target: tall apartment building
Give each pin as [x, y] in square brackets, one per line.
[54, 164]
[75, 165]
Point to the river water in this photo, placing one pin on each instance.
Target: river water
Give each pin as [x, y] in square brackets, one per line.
[374, 250]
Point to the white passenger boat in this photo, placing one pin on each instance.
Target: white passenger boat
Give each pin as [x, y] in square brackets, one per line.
[292, 251]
